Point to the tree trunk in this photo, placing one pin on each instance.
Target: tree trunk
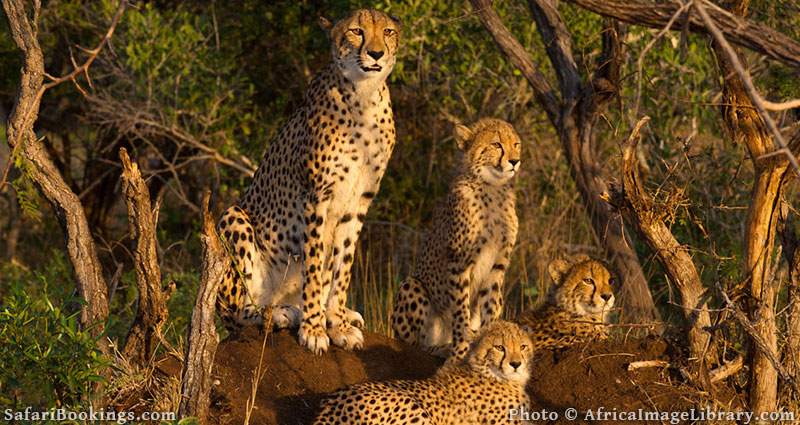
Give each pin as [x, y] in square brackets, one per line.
[574, 117]
[202, 339]
[152, 313]
[39, 166]
[747, 128]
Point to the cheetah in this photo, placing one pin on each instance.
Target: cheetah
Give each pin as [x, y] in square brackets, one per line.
[293, 233]
[457, 285]
[486, 387]
[577, 306]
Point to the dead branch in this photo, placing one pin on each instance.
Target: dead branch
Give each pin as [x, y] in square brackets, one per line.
[740, 31]
[751, 330]
[643, 214]
[647, 363]
[726, 370]
[152, 313]
[573, 118]
[39, 166]
[202, 340]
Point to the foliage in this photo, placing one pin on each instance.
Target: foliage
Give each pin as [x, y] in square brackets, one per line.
[46, 360]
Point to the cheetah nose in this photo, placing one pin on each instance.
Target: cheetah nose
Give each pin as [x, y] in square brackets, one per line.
[605, 297]
[513, 162]
[375, 55]
[515, 365]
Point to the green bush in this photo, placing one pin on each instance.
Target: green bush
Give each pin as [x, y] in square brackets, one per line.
[46, 360]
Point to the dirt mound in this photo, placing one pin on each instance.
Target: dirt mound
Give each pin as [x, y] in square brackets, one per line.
[294, 382]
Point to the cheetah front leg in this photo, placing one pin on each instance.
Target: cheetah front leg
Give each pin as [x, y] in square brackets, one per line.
[459, 311]
[491, 304]
[340, 319]
[316, 284]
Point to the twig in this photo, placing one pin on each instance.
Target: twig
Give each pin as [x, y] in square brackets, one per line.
[760, 343]
[647, 363]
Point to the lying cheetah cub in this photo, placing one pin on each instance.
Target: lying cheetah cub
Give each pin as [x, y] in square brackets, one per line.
[482, 389]
[577, 305]
[457, 285]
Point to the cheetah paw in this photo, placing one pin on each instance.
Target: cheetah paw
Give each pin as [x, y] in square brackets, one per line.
[347, 336]
[354, 318]
[285, 317]
[314, 338]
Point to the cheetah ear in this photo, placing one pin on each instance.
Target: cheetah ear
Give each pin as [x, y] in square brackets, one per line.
[463, 135]
[325, 24]
[557, 269]
[397, 21]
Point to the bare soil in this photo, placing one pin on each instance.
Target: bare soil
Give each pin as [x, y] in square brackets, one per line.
[583, 377]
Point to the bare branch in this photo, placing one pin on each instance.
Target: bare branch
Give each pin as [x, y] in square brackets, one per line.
[675, 257]
[759, 38]
[755, 335]
[518, 56]
[84, 68]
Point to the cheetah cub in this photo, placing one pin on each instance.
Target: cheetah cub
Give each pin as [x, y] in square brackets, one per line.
[484, 388]
[577, 306]
[457, 285]
[293, 233]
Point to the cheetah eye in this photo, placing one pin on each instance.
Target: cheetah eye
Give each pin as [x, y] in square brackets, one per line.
[357, 31]
[589, 281]
[498, 145]
[499, 348]
[523, 347]
[388, 31]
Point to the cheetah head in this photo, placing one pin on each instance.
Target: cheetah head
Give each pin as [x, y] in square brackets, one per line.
[582, 286]
[502, 351]
[491, 149]
[364, 44]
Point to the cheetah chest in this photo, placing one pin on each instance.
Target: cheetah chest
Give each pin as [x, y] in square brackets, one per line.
[363, 160]
[493, 240]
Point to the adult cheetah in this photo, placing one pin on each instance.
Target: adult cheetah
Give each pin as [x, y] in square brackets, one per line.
[485, 388]
[293, 233]
[457, 285]
[577, 306]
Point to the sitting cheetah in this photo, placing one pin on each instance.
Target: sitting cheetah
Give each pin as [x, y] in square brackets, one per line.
[485, 388]
[293, 233]
[457, 285]
[577, 305]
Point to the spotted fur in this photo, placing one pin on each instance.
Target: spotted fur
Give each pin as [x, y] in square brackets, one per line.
[457, 285]
[482, 389]
[293, 233]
